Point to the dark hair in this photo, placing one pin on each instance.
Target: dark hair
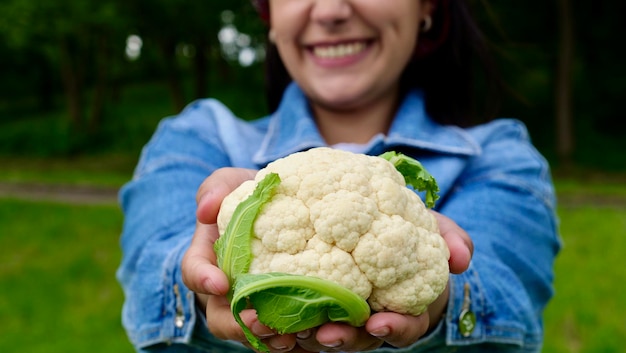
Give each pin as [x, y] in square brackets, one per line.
[443, 68]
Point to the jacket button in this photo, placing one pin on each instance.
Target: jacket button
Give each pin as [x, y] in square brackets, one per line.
[467, 318]
[467, 323]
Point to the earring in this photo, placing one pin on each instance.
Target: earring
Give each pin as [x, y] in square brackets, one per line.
[427, 22]
[272, 36]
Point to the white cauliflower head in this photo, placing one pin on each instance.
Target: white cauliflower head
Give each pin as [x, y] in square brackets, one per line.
[348, 218]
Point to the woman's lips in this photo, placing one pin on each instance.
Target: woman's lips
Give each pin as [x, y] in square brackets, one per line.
[340, 50]
[339, 54]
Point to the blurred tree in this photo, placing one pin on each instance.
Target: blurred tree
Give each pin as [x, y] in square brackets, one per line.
[562, 61]
[192, 25]
[565, 74]
[27, 79]
[73, 36]
[526, 53]
[563, 86]
[599, 79]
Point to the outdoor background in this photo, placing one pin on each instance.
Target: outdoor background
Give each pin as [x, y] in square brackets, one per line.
[83, 85]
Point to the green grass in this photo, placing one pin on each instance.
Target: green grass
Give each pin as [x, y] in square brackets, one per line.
[588, 312]
[57, 280]
[110, 170]
[593, 183]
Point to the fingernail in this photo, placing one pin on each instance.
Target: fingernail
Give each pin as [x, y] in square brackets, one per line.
[261, 331]
[303, 334]
[279, 346]
[380, 332]
[332, 344]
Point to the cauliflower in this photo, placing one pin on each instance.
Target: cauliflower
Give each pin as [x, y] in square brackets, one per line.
[344, 220]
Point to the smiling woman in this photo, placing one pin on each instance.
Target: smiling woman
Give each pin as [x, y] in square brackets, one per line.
[348, 57]
[442, 62]
[368, 77]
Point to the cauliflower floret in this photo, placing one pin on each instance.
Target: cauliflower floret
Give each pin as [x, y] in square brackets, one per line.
[282, 231]
[348, 218]
[422, 283]
[342, 217]
[319, 259]
[388, 252]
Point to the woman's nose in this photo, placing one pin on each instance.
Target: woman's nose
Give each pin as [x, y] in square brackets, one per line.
[331, 12]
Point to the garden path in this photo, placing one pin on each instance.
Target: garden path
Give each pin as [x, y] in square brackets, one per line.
[74, 194]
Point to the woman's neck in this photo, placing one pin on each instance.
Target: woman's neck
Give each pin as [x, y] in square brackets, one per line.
[355, 125]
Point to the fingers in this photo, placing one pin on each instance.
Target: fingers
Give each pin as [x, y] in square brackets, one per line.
[210, 284]
[222, 325]
[199, 272]
[459, 243]
[220, 320]
[334, 337]
[199, 269]
[217, 186]
[396, 329]
[437, 309]
[404, 330]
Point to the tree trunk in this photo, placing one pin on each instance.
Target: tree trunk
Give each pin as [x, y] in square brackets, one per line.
[201, 67]
[72, 84]
[564, 118]
[102, 64]
[168, 52]
[45, 91]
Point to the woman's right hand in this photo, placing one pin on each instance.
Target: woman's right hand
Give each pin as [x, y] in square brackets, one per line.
[210, 284]
[199, 267]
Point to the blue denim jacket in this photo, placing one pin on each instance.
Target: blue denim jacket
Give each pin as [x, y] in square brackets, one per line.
[493, 183]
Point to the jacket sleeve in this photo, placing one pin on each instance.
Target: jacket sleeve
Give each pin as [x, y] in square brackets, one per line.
[159, 208]
[505, 201]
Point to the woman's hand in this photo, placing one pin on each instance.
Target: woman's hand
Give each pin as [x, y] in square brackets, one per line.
[210, 284]
[199, 267]
[201, 275]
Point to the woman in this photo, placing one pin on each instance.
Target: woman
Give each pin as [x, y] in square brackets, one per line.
[366, 76]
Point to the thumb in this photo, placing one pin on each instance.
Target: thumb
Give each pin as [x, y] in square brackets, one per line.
[217, 186]
[199, 271]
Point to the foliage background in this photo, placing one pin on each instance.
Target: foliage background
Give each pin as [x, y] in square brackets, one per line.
[66, 86]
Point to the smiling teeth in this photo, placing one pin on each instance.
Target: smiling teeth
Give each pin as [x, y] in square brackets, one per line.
[338, 51]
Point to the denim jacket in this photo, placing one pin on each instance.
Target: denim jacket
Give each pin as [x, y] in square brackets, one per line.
[492, 181]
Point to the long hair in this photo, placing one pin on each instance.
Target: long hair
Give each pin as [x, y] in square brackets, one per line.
[446, 60]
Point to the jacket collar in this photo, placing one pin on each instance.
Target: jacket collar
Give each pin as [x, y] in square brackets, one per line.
[292, 129]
